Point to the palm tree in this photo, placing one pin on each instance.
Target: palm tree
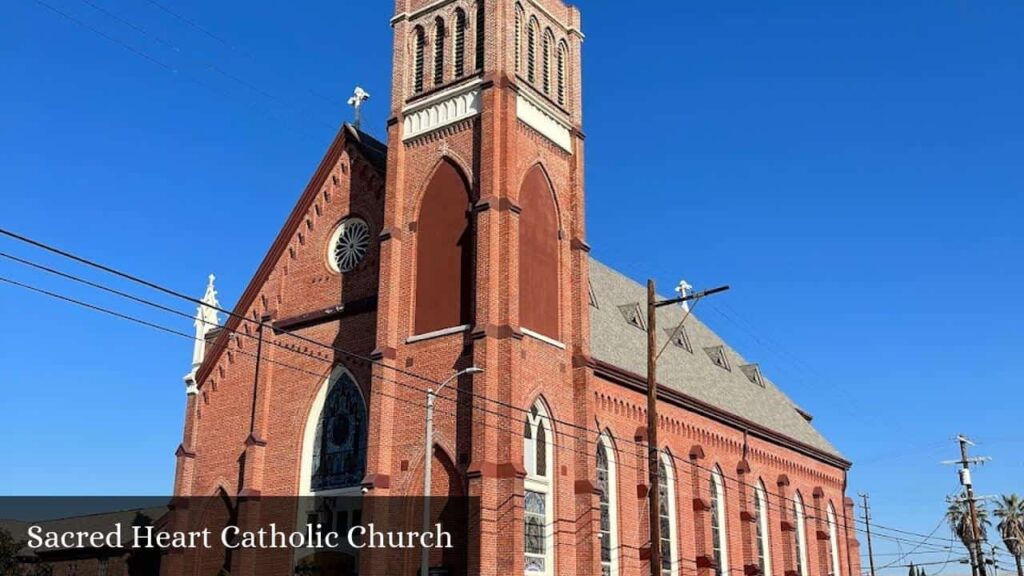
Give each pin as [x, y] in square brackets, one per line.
[1010, 511]
[959, 517]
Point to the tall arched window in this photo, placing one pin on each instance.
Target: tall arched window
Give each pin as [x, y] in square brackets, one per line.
[549, 43]
[520, 16]
[607, 484]
[444, 253]
[538, 255]
[419, 47]
[800, 538]
[764, 550]
[563, 56]
[531, 50]
[538, 512]
[667, 516]
[719, 533]
[833, 541]
[339, 450]
[459, 41]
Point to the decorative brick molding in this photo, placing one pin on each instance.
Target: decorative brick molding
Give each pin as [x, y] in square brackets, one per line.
[701, 505]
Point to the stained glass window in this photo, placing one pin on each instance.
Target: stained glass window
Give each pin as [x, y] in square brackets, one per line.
[718, 537]
[535, 516]
[665, 502]
[761, 527]
[800, 537]
[605, 501]
[339, 453]
[833, 541]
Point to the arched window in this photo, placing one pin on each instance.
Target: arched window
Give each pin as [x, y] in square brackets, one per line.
[667, 516]
[460, 43]
[764, 550]
[438, 51]
[520, 15]
[538, 255]
[531, 51]
[549, 42]
[607, 484]
[563, 56]
[444, 253]
[419, 47]
[339, 450]
[719, 533]
[800, 538]
[833, 541]
[538, 512]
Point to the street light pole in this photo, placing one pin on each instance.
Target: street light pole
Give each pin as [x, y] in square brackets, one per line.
[428, 457]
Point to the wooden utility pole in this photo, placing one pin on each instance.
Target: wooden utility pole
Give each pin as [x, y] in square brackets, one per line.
[867, 524]
[653, 453]
[654, 493]
[977, 554]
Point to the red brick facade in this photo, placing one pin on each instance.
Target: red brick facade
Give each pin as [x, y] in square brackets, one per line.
[247, 428]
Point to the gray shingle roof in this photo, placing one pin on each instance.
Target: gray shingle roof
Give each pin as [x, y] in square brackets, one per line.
[614, 341]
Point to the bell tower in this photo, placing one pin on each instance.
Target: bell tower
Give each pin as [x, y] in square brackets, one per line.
[483, 258]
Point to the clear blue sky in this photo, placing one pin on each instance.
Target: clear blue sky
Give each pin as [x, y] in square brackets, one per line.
[852, 169]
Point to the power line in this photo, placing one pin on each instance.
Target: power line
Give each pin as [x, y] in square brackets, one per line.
[235, 332]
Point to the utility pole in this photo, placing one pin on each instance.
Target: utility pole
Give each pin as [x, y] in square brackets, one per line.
[867, 524]
[653, 456]
[976, 551]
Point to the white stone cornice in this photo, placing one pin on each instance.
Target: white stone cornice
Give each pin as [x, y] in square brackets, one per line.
[440, 110]
[544, 119]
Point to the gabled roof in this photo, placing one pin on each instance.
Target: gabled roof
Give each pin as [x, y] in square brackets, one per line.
[375, 153]
[615, 342]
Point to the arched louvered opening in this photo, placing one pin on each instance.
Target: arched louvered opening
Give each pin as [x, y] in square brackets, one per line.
[480, 35]
[520, 15]
[459, 43]
[548, 46]
[563, 56]
[531, 50]
[538, 255]
[419, 39]
[538, 508]
[439, 32]
[444, 253]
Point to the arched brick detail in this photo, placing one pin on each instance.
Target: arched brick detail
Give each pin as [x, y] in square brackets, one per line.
[538, 255]
[444, 252]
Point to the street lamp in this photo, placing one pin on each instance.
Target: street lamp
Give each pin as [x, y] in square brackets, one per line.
[428, 458]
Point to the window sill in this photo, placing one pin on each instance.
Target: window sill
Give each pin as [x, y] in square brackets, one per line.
[438, 333]
[543, 338]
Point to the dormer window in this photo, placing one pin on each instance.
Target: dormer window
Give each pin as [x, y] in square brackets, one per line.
[753, 373]
[717, 355]
[591, 295]
[680, 338]
[634, 315]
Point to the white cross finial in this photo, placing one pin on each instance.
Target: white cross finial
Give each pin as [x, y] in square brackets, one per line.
[356, 101]
[684, 288]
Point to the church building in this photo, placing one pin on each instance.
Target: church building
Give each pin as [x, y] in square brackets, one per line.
[455, 253]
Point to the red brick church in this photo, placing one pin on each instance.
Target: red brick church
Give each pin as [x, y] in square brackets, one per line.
[461, 242]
